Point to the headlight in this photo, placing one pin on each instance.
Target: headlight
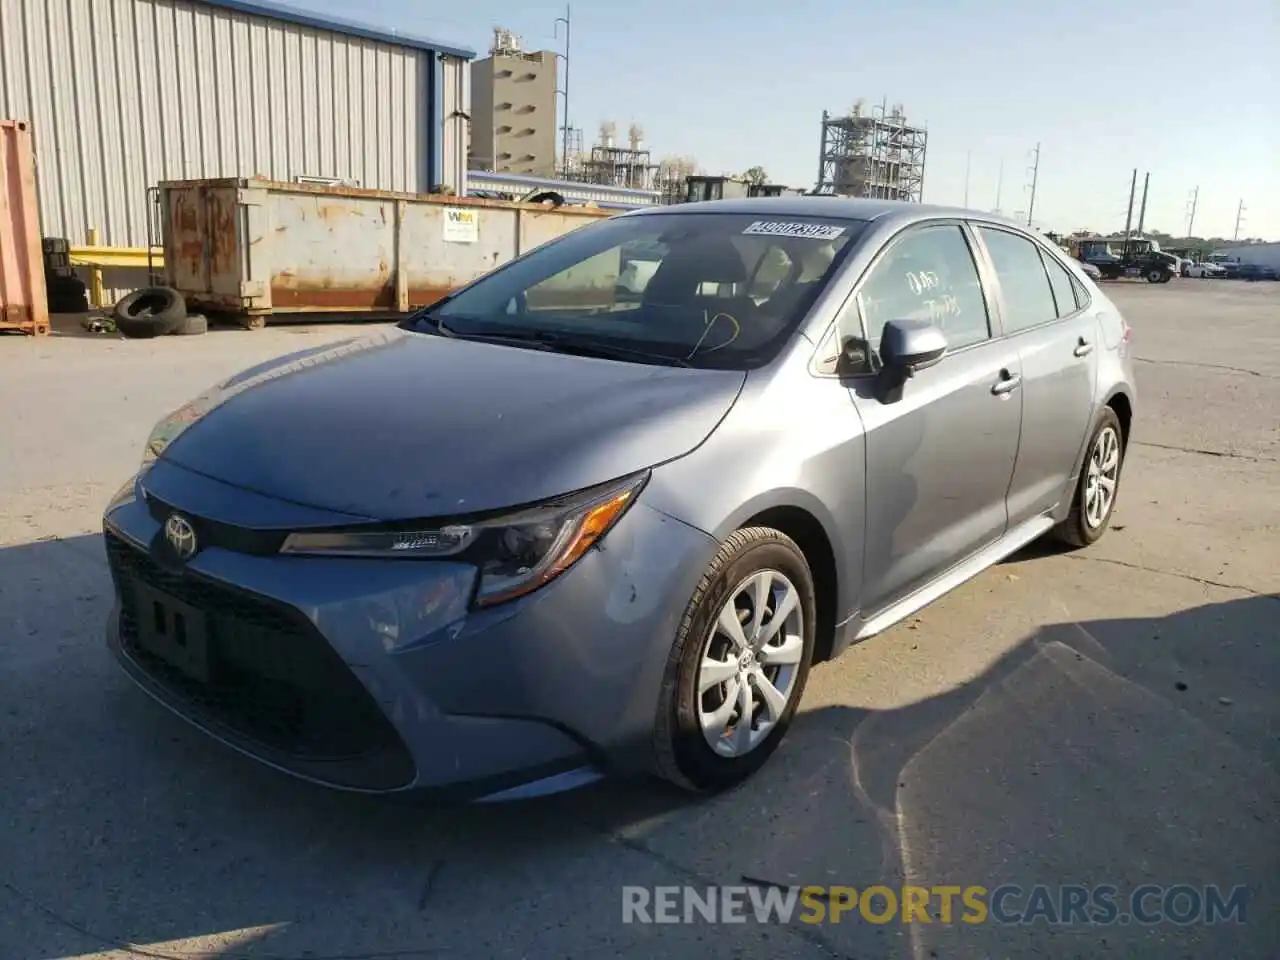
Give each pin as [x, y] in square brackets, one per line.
[169, 429]
[516, 553]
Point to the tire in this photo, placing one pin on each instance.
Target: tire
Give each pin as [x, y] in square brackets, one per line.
[66, 295]
[1078, 529]
[193, 324]
[151, 312]
[1155, 276]
[683, 753]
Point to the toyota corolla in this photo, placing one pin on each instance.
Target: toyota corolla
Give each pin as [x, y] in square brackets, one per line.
[539, 533]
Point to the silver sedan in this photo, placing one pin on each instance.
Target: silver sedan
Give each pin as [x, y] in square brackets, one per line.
[540, 533]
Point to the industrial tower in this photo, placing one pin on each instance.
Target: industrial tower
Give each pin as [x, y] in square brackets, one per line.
[877, 154]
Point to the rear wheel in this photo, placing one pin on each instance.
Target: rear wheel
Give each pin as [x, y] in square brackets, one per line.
[739, 665]
[1095, 496]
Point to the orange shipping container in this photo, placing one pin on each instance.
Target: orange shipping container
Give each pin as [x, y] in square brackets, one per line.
[24, 303]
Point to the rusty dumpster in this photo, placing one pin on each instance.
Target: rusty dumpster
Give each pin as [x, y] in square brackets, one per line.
[24, 303]
[252, 248]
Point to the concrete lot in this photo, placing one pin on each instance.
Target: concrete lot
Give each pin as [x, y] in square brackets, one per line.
[1108, 716]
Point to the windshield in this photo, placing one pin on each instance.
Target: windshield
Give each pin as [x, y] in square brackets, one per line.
[700, 289]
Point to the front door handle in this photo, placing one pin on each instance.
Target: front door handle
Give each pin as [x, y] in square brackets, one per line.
[1007, 383]
[1084, 348]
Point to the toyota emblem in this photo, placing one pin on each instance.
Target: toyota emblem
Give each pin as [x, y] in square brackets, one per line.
[181, 536]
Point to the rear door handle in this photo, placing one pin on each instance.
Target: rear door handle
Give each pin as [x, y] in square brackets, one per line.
[1007, 383]
[1084, 348]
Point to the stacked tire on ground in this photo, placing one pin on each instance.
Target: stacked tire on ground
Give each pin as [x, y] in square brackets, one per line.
[65, 291]
[156, 312]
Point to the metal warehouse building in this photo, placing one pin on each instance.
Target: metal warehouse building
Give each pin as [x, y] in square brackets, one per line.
[122, 94]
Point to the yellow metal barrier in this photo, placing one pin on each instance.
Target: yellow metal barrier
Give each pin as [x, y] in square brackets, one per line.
[98, 258]
[115, 257]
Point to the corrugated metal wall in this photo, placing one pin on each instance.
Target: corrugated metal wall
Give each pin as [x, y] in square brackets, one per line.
[122, 94]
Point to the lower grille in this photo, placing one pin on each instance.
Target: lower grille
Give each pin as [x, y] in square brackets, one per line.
[272, 679]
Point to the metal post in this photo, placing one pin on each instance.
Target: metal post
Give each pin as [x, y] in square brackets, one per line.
[999, 186]
[1128, 217]
[97, 297]
[564, 136]
[1142, 211]
[1035, 177]
[1239, 219]
[1191, 217]
[822, 156]
[968, 165]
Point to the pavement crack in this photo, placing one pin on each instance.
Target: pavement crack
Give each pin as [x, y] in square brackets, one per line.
[1224, 454]
[1174, 573]
[1208, 366]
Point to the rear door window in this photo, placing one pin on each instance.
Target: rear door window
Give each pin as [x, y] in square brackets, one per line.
[1027, 297]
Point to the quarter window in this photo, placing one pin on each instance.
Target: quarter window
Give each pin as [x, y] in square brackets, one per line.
[928, 274]
[1082, 296]
[1027, 296]
[1064, 291]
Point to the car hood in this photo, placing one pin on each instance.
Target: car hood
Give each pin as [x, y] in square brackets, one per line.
[404, 425]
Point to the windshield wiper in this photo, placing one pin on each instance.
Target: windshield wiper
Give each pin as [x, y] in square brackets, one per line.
[587, 347]
[425, 319]
[544, 340]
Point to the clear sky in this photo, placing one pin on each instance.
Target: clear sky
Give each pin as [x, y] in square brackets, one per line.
[1189, 91]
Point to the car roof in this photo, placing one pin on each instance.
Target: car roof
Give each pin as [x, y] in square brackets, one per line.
[844, 208]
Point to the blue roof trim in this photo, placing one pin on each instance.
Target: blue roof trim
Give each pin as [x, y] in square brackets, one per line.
[320, 21]
[486, 176]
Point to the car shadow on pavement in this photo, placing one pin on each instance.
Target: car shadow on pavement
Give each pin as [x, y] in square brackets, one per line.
[1096, 752]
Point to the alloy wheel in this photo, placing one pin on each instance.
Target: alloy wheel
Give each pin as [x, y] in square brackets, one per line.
[750, 661]
[1102, 477]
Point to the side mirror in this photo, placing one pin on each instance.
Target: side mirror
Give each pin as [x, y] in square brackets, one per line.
[910, 345]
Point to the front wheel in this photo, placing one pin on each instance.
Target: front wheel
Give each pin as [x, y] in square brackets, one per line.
[1155, 276]
[1095, 496]
[739, 664]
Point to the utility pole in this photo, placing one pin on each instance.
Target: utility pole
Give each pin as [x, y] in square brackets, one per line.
[999, 186]
[564, 91]
[968, 163]
[1142, 211]
[1191, 217]
[1035, 177]
[1128, 217]
[1239, 218]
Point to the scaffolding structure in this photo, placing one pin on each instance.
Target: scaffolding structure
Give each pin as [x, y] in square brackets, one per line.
[571, 163]
[872, 154]
[616, 165]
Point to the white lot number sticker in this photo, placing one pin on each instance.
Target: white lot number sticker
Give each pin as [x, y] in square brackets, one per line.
[803, 231]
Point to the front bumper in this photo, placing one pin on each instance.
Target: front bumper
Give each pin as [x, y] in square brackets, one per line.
[376, 675]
